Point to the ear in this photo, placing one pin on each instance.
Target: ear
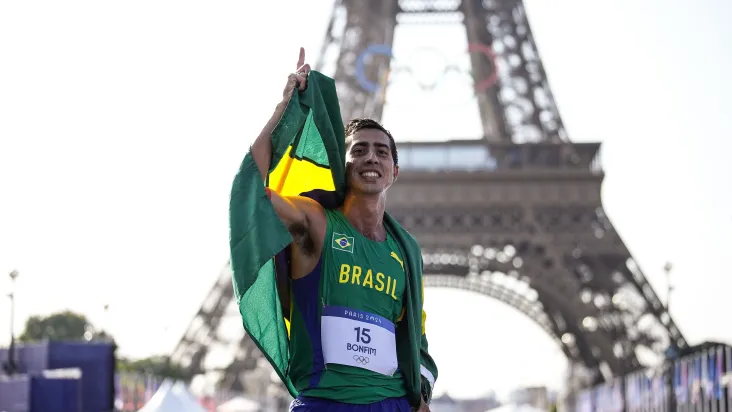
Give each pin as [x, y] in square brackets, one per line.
[396, 173]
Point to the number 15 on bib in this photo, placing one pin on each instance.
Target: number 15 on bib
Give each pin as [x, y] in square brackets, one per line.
[359, 339]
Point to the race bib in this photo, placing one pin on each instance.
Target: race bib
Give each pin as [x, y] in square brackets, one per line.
[360, 339]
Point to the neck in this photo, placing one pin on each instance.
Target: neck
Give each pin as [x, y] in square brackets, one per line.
[366, 214]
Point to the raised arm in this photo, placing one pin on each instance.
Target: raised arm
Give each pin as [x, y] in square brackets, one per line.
[297, 213]
[291, 211]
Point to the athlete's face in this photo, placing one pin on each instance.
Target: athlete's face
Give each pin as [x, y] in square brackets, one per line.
[369, 163]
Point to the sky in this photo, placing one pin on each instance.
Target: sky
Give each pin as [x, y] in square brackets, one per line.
[122, 126]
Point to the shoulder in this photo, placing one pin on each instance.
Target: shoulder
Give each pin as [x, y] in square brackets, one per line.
[404, 235]
[412, 243]
[412, 240]
[314, 211]
[305, 202]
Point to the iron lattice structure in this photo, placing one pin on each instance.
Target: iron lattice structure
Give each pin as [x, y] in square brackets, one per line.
[516, 216]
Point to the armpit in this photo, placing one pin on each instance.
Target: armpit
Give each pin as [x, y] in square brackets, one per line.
[302, 238]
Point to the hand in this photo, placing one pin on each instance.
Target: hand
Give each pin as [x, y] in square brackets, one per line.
[423, 407]
[297, 80]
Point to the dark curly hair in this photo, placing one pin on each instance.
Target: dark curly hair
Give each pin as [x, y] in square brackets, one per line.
[359, 124]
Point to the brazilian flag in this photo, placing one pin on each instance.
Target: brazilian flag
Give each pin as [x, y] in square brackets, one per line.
[308, 159]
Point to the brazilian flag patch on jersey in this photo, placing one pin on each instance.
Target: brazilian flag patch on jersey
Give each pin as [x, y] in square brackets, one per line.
[342, 242]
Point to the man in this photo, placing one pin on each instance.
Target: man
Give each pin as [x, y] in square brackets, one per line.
[347, 276]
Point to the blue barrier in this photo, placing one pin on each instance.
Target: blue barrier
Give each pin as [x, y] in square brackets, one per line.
[40, 394]
[56, 395]
[699, 381]
[97, 364]
[96, 360]
[15, 394]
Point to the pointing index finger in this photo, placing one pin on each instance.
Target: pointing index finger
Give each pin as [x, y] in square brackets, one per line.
[301, 58]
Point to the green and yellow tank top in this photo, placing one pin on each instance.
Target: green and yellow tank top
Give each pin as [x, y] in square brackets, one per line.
[343, 318]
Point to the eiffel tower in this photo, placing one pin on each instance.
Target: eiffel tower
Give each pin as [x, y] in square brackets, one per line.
[516, 216]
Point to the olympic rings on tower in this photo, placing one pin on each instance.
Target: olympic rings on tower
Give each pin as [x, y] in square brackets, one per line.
[371, 86]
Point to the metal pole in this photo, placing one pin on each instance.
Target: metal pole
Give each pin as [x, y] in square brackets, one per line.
[669, 286]
[12, 317]
[105, 327]
[11, 349]
[670, 362]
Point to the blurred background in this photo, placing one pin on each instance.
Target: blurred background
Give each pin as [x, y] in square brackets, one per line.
[122, 126]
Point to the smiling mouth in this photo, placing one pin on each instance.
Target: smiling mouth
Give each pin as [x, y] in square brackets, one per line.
[370, 175]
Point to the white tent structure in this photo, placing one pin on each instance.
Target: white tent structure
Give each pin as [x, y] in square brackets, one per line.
[182, 390]
[512, 407]
[239, 404]
[172, 398]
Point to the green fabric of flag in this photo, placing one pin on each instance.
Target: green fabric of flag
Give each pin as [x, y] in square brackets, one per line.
[308, 159]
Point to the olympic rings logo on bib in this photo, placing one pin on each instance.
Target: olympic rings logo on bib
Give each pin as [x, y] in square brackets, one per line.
[349, 335]
[361, 359]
